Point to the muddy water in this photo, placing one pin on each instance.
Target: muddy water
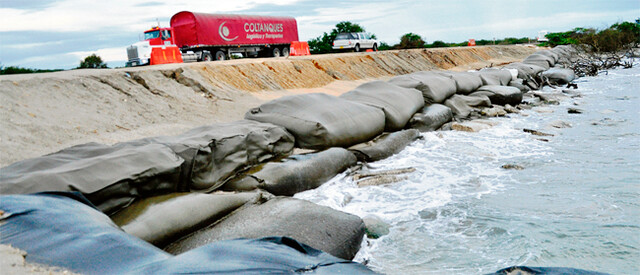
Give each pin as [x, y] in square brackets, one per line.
[575, 203]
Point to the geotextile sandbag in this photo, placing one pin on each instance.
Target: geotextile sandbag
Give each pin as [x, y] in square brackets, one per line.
[435, 88]
[397, 103]
[466, 82]
[110, 177]
[321, 227]
[462, 105]
[214, 153]
[559, 76]
[269, 255]
[162, 219]
[519, 83]
[295, 173]
[431, 117]
[384, 145]
[539, 60]
[525, 71]
[549, 53]
[321, 121]
[64, 230]
[492, 76]
[500, 95]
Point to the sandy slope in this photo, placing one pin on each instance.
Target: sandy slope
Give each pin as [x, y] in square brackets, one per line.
[43, 113]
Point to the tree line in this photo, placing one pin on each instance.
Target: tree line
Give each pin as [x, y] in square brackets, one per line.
[615, 38]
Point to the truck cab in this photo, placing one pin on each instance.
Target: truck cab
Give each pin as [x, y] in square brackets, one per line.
[140, 52]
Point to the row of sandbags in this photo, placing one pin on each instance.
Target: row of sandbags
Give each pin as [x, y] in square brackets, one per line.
[211, 157]
[112, 177]
[64, 230]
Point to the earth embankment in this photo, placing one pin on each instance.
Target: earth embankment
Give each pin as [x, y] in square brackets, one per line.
[43, 113]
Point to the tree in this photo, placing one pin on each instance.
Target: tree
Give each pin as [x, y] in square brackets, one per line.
[323, 44]
[411, 41]
[92, 62]
[439, 44]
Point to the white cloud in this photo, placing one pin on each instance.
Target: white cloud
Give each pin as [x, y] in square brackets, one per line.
[81, 15]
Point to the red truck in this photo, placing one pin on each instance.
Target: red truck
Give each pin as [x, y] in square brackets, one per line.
[205, 37]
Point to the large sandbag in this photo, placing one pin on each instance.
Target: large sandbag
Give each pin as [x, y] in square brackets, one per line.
[110, 177]
[462, 105]
[431, 118]
[321, 121]
[214, 153]
[63, 230]
[528, 270]
[539, 60]
[519, 83]
[270, 255]
[163, 219]
[435, 88]
[466, 82]
[384, 145]
[549, 53]
[559, 76]
[296, 173]
[501, 95]
[397, 103]
[321, 227]
[525, 71]
[492, 76]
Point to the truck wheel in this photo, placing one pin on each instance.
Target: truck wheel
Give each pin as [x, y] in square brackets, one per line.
[206, 57]
[285, 51]
[356, 48]
[275, 52]
[375, 47]
[220, 56]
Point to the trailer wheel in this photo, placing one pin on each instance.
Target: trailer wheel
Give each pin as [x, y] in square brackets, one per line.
[285, 51]
[276, 52]
[220, 56]
[206, 57]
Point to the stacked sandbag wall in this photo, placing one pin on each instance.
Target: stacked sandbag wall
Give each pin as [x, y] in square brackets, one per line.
[374, 121]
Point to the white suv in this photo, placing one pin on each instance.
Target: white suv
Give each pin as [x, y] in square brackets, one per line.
[355, 41]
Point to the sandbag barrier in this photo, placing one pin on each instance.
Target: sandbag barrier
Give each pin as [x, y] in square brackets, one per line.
[138, 181]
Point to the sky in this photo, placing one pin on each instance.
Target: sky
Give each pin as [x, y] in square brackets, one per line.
[58, 34]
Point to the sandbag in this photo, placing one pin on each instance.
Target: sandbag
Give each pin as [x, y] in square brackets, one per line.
[559, 76]
[110, 177]
[64, 230]
[214, 153]
[321, 121]
[296, 173]
[397, 103]
[461, 105]
[539, 60]
[554, 56]
[321, 227]
[526, 270]
[431, 118]
[466, 82]
[525, 71]
[501, 95]
[435, 88]
[162, 219]
[519, 83]
[492, 76]
[384, 145]
[269, 255]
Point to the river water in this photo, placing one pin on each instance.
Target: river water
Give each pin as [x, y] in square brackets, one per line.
[575, 204]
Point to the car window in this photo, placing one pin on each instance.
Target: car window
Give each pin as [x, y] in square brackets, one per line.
[343, 36]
